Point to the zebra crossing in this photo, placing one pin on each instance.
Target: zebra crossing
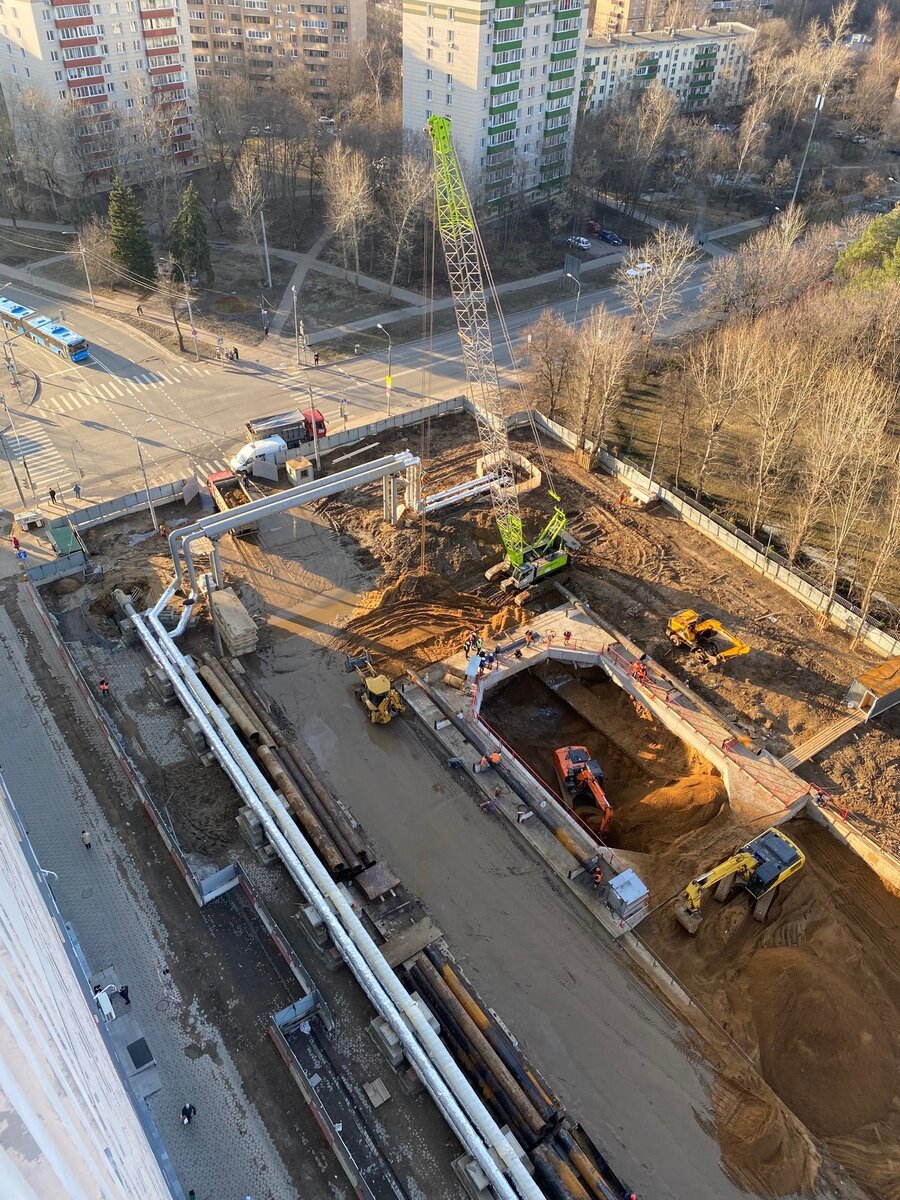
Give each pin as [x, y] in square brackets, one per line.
[37, 458]
[115, 388]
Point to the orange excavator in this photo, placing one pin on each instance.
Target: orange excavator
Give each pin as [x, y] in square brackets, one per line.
[581, 780]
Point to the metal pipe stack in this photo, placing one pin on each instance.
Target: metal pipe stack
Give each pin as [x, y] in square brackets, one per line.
[319, 815]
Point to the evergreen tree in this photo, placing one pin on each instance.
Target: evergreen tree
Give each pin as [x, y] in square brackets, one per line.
[129, 243]
[874, 258]
[188, 238]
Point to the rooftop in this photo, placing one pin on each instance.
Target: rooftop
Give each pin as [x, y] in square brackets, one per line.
[695, 35]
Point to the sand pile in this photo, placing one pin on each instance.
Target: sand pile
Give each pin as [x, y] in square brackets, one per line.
[764, 1148]
[647, 821]
[822, 1047]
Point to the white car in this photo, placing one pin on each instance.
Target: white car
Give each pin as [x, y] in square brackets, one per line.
[579, 243]
[640, 269]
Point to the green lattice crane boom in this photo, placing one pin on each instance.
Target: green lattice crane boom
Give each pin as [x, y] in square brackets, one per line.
[463, 254]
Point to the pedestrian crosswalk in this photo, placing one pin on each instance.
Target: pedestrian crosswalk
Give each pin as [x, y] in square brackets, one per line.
[107, 389]
[38, 462]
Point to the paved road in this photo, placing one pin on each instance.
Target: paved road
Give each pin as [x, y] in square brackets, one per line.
[87, 419]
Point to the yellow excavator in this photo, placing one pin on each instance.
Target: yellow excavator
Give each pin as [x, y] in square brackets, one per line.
[704, 636]
[381, 701]
[761, 867]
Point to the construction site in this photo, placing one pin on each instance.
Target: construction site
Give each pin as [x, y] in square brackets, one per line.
[586, 842]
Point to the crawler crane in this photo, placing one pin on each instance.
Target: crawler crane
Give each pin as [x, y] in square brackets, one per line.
[526, 563]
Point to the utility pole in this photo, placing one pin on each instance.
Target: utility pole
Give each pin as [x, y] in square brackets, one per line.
[820, 104]
[577, 283]
[87, 277]
[296, 326]
[262, 221]
[147, 486]
[12, 470]
[315, 428]
[196, 340]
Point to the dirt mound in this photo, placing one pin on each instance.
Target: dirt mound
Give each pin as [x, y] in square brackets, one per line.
[822, 1047]
[764, 1148]
[647, 821]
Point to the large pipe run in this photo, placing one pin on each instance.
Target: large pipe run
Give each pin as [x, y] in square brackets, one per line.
[353, 864]
[311, 827]
[453, 1094]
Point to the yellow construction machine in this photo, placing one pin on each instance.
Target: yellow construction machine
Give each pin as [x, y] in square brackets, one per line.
[380, 699]
[704, 636]
[761, 867]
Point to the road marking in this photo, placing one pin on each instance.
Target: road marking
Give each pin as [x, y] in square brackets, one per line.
[30, 442]
[117, 391]
[148, 379]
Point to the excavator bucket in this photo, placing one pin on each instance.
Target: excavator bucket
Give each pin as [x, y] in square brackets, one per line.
[689, 919]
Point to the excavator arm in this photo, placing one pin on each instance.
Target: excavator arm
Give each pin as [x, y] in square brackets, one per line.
[687, 910]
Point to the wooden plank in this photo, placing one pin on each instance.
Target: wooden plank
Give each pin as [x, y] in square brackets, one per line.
[411, 941]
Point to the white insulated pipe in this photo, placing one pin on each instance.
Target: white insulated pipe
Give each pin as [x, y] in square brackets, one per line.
[449, 1088]
[444, 499]
[219, 523]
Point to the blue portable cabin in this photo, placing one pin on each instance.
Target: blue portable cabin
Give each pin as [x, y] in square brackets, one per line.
[58, 338]
[14, 315]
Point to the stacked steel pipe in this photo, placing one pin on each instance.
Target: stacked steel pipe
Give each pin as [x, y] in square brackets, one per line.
[568, 1167]
[318, 814]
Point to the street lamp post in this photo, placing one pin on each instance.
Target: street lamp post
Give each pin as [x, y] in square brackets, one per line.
[577, 283]
[187, 296]
[389, 381]
[820, 104]
[296, 326]
[146, 485]
[315, 425]
[24, 460]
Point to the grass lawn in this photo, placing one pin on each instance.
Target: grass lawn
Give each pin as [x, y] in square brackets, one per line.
[21, 246]
[324, 302]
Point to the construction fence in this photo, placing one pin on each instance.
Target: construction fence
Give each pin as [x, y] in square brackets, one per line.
[348, 437]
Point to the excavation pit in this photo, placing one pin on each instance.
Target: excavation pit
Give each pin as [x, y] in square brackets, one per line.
[659, 788]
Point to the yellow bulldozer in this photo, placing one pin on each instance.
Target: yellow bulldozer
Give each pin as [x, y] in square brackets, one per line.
[761, 867]
[704, 636]
[380, 699]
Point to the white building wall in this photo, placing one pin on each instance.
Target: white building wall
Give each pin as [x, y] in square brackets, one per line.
[103, 57]
[501, 72]
[69, 1126]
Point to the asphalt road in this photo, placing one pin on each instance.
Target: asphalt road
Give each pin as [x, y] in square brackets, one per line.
[94, 421]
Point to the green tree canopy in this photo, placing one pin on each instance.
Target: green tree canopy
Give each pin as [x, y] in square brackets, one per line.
[129, 244]
[188, 237]
[874, 258]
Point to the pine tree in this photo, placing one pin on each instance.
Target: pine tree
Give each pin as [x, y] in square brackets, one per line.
[188, 238]
[129, 244]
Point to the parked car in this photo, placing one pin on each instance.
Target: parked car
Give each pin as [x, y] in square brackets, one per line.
[607, 235]
[641, 269]
[593, 227]
[578, 243]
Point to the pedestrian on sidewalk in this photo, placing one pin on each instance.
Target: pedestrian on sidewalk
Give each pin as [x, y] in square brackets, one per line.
[52, 495]
[265, 332]
[234, 351]
[192, 1195]
[123, 992]
[16, 543]
[86, 839]
[140, 311]
[316, 359]
[188, 1113]
[76, 490]
[103, 687]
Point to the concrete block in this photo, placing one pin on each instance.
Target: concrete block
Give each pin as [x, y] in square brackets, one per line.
[236, 626]
[386, 1041]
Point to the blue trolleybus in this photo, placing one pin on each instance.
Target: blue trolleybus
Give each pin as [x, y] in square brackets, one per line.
[43, 330]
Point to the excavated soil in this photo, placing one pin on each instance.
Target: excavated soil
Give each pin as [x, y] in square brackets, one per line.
[813, 997]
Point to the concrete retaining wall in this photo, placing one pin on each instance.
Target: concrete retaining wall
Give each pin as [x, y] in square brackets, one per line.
[109, 510]
[885, 865]
[348, 437]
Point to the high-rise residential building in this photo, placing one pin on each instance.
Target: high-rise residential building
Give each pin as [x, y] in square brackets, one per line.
[116, 76]
[253, 38]
[507, 76]
[701, 66]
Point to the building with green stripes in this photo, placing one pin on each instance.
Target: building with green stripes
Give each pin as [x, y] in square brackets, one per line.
[508, 77]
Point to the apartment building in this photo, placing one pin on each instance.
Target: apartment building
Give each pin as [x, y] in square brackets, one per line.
[701, 66]
[255, 37]
[104, 68]
[507, 76]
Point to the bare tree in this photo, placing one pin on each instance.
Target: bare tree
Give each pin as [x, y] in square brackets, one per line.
[887, 532]
[721, 367]
[849, 411]
[550, 350]
[248, 197]
[606, 352]
[653, 277]
[91, 245]
[410, 187]
[348, 195]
